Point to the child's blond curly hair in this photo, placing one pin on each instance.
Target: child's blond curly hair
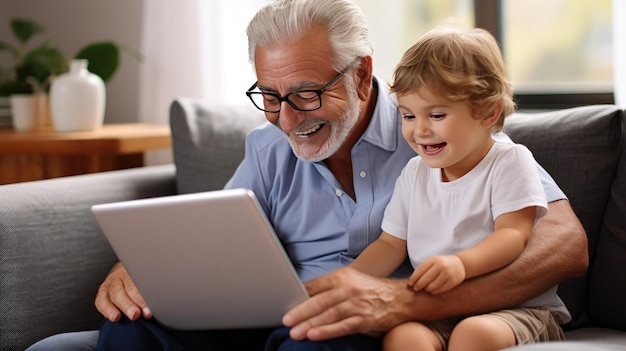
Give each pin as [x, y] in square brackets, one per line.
[464, 65]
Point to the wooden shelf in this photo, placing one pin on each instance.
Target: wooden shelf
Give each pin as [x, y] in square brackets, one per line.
[26, 156]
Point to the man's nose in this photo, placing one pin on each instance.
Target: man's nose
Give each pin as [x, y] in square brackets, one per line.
[288, 118]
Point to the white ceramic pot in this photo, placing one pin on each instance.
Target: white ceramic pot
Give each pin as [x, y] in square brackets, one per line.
[30, 112]
[77, 99]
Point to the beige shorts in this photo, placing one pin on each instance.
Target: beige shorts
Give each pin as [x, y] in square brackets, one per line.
[530, 325]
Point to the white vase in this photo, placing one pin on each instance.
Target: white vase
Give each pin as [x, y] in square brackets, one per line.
[77, 99]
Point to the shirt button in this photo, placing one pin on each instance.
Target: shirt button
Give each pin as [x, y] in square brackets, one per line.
[362, 174]
[338, 192]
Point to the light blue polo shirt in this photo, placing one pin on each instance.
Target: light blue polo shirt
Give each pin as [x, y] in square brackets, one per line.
[321, 227]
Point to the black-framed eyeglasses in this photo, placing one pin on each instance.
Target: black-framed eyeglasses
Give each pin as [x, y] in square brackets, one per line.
[302, 100]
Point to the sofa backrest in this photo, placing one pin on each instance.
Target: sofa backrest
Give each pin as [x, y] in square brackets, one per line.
[208, 142]
[607, 292]
[582, 148]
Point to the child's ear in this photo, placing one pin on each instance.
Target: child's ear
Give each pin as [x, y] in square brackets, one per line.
[492, 116]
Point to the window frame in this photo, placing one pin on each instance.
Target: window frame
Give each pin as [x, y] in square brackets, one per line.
[488, 15]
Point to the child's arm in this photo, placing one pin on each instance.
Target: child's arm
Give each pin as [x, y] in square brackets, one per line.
[511, 234]
[382, 257]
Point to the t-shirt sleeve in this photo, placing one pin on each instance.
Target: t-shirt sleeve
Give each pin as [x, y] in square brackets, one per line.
[551, 189]
[518, 184]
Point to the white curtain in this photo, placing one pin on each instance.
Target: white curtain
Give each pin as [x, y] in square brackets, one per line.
[193, 48]
[619, 52]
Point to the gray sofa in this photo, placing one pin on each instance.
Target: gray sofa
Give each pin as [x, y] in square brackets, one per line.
[53, 256]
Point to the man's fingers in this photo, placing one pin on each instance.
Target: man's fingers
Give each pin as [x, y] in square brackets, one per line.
[335, 330]
[106, 307]
[323, 297]
[120, 298]
[333, 322]
[118, 294]
[137, 298]
[310, 309]
[300, 330]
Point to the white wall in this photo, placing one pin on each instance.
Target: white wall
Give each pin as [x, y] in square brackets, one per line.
[74, 23]
[619, 52]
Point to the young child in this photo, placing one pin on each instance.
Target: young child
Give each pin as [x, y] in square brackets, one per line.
[466, 205]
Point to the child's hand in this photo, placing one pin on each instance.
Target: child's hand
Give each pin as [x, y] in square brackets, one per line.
[438, 274]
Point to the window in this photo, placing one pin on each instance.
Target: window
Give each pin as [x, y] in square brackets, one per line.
[396, 25]
[558, 52]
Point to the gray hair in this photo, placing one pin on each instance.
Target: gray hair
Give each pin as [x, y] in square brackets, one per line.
[285, 21]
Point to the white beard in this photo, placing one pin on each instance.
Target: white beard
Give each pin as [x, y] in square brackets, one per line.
[339, 130]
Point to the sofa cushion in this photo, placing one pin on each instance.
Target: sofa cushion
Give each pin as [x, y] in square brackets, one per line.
[607, 294]
[208, 142]
[580, 148]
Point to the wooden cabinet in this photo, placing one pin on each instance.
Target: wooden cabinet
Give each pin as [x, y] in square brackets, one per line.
[26, 156]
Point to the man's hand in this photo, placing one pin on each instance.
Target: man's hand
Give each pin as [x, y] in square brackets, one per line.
[119, 294]
[346, 302]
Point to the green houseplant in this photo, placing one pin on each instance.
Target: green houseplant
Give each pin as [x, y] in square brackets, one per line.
[33, 68]
[26, 82]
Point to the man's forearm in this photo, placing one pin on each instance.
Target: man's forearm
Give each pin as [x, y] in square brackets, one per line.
[556, 251]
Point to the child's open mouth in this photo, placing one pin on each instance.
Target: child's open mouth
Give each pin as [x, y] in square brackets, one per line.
[433, 149]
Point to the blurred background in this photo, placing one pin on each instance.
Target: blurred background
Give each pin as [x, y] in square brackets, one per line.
[558, 52]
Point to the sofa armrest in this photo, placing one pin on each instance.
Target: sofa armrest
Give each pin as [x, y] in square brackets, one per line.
[52, 253]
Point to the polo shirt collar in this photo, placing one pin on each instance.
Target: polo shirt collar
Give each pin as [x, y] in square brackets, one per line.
[383, 130]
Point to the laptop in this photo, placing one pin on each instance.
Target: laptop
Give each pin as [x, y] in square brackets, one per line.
[207, 260]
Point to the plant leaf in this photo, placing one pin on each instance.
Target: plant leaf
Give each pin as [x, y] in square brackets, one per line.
[42, 62]
[14, 87]
[103, 58]
[23, 29]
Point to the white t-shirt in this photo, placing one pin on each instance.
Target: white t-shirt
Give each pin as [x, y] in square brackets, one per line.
[436, 217]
